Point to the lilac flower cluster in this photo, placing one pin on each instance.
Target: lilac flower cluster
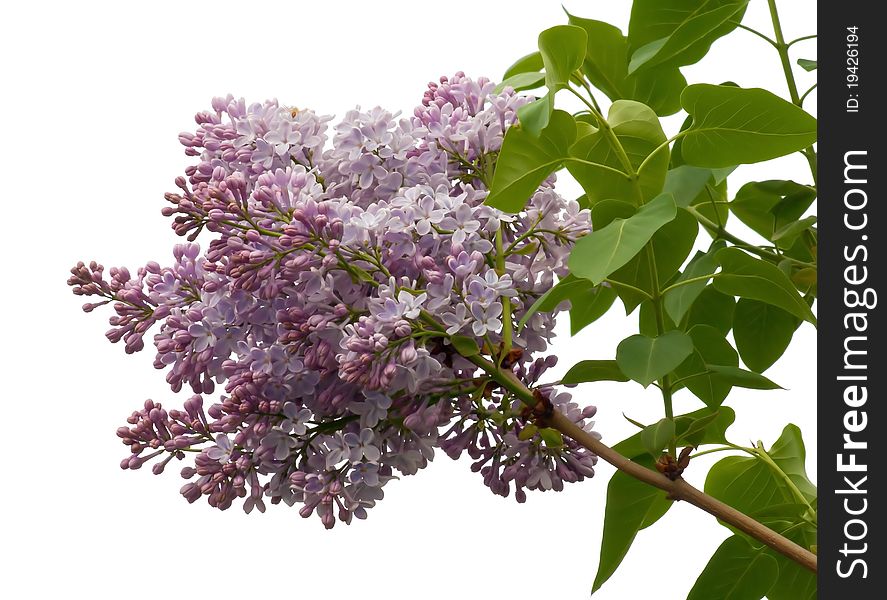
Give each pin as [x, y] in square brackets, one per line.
[328, 299]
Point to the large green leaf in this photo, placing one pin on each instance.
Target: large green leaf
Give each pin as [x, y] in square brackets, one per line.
[671, 245]
[756, 488]
[789, 453]
[596, 255]
[736, 571]
[750, 485]
[748, 277]
[631, 506]
[563, 50]
[774, 209]
[593, 370]
[679, 300]
[535, 116]
[795, 582]
[606, 67]
[647, 359]
[686, 182]
[639, 132]
[762, 333]
[712, 308]
[709, 347]
[679, 32]
[733, 126]
[525, 161]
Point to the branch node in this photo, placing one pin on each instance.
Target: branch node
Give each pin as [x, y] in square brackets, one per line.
[674, 468]
[541, 412]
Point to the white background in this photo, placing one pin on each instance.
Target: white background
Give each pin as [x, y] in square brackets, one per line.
[95, 97]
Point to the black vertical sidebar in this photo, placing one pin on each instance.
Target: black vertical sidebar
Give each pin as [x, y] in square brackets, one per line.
[852, 250]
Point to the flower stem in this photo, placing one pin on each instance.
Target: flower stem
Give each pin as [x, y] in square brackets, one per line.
[506, 301]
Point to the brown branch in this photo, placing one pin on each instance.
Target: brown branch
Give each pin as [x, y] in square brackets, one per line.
[677, 489]
[680, 489]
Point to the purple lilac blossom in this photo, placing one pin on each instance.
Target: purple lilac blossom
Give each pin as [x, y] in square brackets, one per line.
[319, 305]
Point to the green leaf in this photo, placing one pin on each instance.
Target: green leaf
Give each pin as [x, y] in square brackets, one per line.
[750, 484]
[528, 432]
[657, 436]
[603, 251]
[563, 50]
[521, 81]
[762, 333]
[464, 345]
[685, 183]
[535, 116]
[733, 126]
[807, 64]
[795, 582]
[588, 308]
[646, 359]
[679, 300]
[671, 245]
[708, 428]
[736, 571]
[746, 484]
[790, 454]
[606, 67]
[631, 506]
[639, 131]
[648, 321]
[709, 346]
[700, 427]
[566, 289]
[748, 277]
[588, 302]
[525, 161]
[530, 63]
[678, 32]
[712, 308]
[774, 207]
[552, 437]
[742, 378]
[606, 211]
[784, 236]
[637, 424]
[593, 370]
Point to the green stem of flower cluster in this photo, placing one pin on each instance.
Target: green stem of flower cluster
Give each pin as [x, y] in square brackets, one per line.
[506, 301]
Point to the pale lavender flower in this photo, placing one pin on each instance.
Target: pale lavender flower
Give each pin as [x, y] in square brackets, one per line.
[318, 305]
